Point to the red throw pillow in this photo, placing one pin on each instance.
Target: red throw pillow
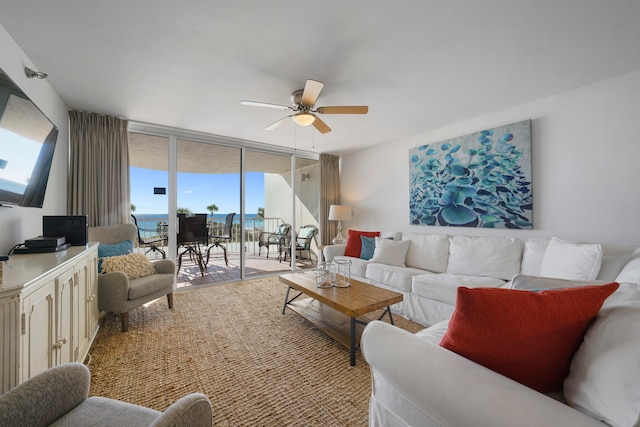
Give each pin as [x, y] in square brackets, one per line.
[527, 336]
[354, 244]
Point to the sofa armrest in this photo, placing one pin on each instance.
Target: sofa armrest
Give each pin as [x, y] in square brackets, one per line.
[449, 390]
[331, 251]
[44, 398]
[192, 410]
[165, 266]
[113, 291]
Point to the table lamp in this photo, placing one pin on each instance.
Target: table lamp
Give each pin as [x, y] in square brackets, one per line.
[339, 213]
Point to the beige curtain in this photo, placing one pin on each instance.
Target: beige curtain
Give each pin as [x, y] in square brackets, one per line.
[329, 195]
[99, 168]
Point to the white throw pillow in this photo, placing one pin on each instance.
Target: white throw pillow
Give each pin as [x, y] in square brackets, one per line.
[428, 251]
[532, 256]
[390, 252]
[571, 261]
[604, 380]
[631, 271]
[497, 257]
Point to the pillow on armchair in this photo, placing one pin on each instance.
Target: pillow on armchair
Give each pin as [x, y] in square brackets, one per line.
[133, 265]
[115, 249]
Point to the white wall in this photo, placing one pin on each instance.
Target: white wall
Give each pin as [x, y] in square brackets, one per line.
[18, 224]
[586, 168]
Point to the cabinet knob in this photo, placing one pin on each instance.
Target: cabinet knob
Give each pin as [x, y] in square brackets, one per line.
[63, 340]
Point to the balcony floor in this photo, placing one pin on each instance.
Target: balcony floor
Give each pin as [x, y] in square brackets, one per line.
[217, 272]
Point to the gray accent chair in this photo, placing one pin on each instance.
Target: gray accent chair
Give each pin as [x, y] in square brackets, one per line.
[118, 294]
[60, 397]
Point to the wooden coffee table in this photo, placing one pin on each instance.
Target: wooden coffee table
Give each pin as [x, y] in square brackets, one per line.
[336, 311]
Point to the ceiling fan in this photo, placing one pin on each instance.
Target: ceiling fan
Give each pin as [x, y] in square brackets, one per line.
[304, 101]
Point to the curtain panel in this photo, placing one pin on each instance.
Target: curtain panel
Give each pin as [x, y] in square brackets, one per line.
[99, 168]
[329, 195]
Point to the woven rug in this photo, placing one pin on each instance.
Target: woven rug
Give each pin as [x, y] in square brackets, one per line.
[232, 343]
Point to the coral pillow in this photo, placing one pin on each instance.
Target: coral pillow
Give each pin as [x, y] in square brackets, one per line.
[529, 337]
[354, 244]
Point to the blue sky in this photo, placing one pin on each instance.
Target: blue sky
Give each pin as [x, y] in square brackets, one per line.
[196, 191]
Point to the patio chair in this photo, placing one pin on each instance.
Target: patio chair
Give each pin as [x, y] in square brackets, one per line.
[192, 232]
[267, 239]
[152, 242]
[303, 243]
[221, 240]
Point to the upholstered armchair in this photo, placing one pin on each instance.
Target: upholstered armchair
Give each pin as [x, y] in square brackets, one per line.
[60, 396]
[116, 292]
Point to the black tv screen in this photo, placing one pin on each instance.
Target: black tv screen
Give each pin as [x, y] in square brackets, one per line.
[27, 145]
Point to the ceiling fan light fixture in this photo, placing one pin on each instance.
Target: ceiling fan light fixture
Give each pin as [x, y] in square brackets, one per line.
[303, 119]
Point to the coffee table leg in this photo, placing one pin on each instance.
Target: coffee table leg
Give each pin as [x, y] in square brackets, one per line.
[353, 347]
[286, 300]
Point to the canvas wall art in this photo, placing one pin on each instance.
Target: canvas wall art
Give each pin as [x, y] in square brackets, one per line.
[478, 180]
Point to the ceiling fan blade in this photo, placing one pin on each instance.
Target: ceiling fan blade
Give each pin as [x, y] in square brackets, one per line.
[352, 109]
[274, 125]
[311, 92]
[265, 104]
[321, 126]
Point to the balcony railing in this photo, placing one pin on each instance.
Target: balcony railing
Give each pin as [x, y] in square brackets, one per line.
[153, 227]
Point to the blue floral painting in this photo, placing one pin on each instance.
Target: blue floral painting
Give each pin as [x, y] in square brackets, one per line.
[478, 180]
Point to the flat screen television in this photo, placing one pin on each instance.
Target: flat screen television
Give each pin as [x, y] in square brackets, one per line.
[27, 143]
[73, 227]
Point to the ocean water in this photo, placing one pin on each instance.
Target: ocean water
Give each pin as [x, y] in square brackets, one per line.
[151, 220]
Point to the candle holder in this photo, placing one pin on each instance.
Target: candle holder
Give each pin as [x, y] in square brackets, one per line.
[322, 275]
[341, 273]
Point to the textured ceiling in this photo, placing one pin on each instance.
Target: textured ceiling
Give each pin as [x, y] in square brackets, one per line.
[417, 64]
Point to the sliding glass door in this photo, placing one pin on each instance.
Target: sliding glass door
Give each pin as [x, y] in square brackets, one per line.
[246, 192]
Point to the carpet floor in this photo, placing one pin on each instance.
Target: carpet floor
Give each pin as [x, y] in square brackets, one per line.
[232, 343]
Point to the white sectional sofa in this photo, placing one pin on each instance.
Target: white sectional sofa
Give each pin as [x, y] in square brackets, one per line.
[417, 382]
[436, 264]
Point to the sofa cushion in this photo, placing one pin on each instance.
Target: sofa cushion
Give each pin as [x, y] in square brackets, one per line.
[571, 261]
[434, 333]
[532, 256]
[631, 271]
[393, 276]
[529, 337]
[354, 244]
[428, 251]
[358, 266]
[535, 283]
[605, 371]
[390, 252]
[485, 256]
[443, 287]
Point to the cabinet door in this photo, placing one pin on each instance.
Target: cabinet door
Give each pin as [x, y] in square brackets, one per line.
[87, 305]
[64, 317]
[38, 352]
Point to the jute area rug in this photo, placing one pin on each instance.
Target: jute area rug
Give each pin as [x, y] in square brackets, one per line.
[232, 343]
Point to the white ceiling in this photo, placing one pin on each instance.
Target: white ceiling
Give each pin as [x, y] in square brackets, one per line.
[417, 64]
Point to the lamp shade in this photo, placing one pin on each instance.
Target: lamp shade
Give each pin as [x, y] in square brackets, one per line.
[339, 213]
[303, 119]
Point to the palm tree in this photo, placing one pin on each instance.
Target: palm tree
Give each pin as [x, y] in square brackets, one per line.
[260, 212]
[183, 211]
[212, 208]
[133, 207]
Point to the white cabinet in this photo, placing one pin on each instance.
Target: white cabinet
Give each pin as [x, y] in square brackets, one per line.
[49, 311]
